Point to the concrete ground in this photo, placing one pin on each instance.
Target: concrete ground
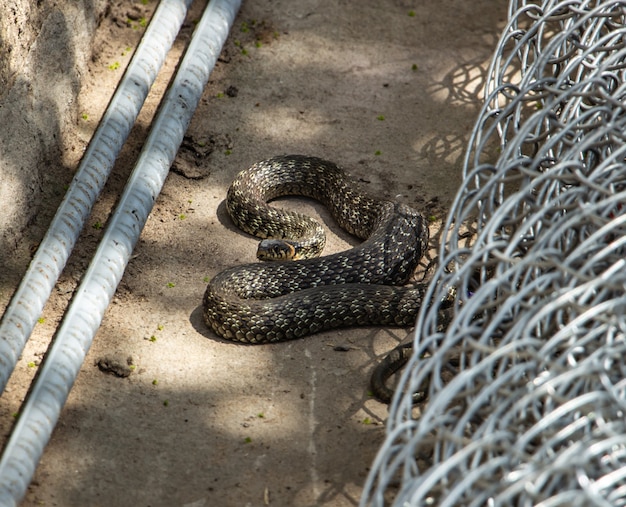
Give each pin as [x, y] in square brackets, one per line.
[390, 91]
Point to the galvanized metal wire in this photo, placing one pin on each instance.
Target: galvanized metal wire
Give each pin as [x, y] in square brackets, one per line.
[526, 374]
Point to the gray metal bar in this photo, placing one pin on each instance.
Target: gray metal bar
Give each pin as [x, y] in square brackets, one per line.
[73, 338]
[28, 301]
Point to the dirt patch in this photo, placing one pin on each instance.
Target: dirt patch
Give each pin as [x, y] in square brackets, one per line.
[390, 92]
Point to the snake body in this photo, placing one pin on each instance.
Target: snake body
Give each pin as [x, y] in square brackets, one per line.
[276, 301]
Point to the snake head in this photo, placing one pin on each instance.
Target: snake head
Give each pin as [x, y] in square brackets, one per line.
[276, 250]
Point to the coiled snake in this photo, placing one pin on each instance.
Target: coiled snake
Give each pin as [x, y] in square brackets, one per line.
[276, 301]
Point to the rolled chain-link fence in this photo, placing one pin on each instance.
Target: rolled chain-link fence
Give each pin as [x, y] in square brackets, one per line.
[522, 352]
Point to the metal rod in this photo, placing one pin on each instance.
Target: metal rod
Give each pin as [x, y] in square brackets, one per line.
[28, 301]
[72, 340]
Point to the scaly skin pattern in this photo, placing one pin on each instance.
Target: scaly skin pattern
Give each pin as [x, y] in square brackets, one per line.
[269, 302]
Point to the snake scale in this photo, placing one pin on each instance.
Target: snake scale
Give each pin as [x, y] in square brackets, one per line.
[365, 285]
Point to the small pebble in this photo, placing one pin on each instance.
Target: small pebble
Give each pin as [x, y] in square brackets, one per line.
[341, 348]
[115, 365]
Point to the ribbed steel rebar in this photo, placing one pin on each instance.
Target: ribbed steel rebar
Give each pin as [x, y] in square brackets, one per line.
[34, 290]
[73, 338]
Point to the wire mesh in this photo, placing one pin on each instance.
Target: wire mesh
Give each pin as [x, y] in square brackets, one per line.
[526, 375]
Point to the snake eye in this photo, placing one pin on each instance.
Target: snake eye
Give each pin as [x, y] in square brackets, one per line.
[275, 250]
